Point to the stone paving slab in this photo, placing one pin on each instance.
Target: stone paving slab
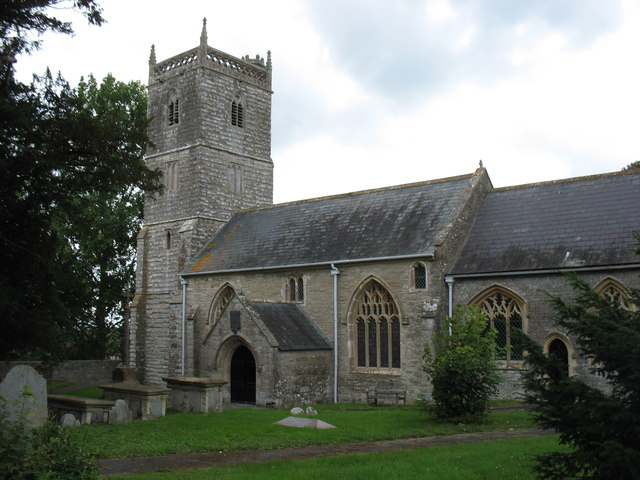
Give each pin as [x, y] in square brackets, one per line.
[199, 461]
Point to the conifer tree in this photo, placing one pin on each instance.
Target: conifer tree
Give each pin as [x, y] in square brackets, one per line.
[602, 428]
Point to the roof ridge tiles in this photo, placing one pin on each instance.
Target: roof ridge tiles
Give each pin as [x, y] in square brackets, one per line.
[359, 192]
[563, 181]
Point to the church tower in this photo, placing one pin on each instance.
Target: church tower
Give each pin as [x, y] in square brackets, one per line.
[210, 134]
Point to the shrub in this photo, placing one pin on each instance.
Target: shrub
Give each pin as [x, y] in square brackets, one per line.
[44, 453]
[461, 368]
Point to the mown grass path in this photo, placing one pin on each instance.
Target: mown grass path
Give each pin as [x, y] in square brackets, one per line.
[196, 461]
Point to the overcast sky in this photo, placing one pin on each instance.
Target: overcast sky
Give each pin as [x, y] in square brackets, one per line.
[372, 93]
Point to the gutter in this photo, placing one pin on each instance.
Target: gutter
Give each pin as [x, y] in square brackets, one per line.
[184, 283]
[450, 279]
[547, 271]
[427, 255]
[335, 272]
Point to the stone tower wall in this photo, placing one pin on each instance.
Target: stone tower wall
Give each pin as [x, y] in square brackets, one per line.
[211, 168]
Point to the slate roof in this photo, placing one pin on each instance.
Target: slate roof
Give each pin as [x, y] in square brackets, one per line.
[581, 222]
[292, 329]
[398, 221]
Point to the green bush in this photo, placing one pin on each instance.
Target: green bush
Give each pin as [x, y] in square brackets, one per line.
[461, 368]
[44, 453]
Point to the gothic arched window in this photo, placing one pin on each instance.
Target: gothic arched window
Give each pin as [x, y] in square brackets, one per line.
[174, 111]
[377, 325]
[615, 292]
[220, 302]
[505, 313]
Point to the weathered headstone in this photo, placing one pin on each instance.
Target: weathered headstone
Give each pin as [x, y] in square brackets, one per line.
[296, 411]
[120, 412]
[311, 411]
[25, 390]
[69, 420]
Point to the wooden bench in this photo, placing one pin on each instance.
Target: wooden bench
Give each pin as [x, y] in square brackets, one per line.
[387, 394]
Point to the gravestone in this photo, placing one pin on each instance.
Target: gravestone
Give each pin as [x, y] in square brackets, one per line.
[69, 420]
[25, 390]
[120, 412]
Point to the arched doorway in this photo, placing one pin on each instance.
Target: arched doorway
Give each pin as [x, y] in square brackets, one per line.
[243, 376]
[559, 350]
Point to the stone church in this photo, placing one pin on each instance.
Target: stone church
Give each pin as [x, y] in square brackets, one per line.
[334, 298]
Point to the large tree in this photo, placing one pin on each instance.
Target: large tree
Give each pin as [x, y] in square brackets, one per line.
[601, 428]
[70, 197]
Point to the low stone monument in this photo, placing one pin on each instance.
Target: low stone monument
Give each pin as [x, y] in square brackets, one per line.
[25, 390]
[299, 422]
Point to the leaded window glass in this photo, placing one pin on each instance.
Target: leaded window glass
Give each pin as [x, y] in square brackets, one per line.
[419, 276]
[505, 316]
[377, 328]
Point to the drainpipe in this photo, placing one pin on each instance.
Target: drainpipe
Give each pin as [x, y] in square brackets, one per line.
[184, 283]
[449, 280]
[335, 272]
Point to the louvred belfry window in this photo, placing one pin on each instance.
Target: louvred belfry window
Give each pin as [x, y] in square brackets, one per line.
[237, 113]
[377, 328]
[174, 112]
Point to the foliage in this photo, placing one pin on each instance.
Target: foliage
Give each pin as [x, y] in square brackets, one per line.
[632, 165]
[602, 428]
[70, 198]
[45, 453]
[461, 369]
[20, 20]
[100, 227]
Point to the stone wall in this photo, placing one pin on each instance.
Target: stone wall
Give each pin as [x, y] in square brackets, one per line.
[539, 316]
[80, 372]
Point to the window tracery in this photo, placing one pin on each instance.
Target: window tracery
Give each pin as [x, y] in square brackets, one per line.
[377, 328]
[220, 303]
[615, 292]
[504, 313]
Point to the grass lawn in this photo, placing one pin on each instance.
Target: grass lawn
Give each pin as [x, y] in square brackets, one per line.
[87, 392]
[246, 429]
[475, 461]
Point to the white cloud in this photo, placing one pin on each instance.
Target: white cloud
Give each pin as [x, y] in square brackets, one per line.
[439, 10]
[358, 108]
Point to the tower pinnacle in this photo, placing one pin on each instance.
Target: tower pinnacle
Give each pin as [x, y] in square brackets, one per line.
[203, 35]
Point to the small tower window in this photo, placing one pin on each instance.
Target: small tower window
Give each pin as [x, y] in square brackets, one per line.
[174, 111]
[237, 113]
[168, 240]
